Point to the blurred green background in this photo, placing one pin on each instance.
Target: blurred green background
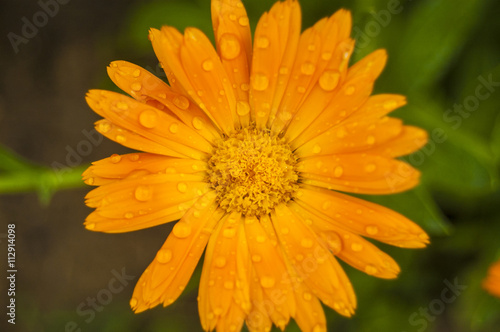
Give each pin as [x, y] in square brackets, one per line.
[443, 55]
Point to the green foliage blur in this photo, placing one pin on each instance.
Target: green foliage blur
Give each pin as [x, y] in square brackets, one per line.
[445, 57]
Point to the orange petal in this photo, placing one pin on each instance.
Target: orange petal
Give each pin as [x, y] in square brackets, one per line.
[258, 319]
[142, 201]
[492, 282]
[362, 217]
[351, 137]
[358, 173]
[144, 86]
[166, 277]
[147, 121]
[234, 46]
[277, 298]
[353, 93]
[313, 262]
[310, 315]
[275, 44]
[408, 141]
[378, 106]
[121, 166]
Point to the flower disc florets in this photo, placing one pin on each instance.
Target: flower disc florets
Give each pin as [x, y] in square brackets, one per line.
[252, 171]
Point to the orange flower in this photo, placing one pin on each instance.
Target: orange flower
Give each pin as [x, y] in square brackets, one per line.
[250, 146]
[492, 282]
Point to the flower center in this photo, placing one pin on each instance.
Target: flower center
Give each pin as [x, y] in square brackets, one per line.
[252, 172]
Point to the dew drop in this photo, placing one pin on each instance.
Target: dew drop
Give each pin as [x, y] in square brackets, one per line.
[301, 89]
[220, 262]
[306, 243]
[243, 21]
[245, 87]
[338, 171]
[371, 229]
[350, 90]
[174, 127]
[229, 232]
[370, 168]
[307, 68]
[129, 215]
[256, 258]
[370, 269]
[370, 140]
[182, 187]
[326, 205]
[164, 256]
[115, 158]
[326, 56]
[341, 132]
[207, 65]
[356, 247]
[329, 80]
[334, 242]
[197, 123]
[262, 42]
[242, 108]
[284, 70]
[136, 73]
[260, 82]
[319, 328]
[136, 86]
[260, 238]
[143, 193]
[285, 230]
[90, 226]
[316, 148]
[390, 104]
[103, 127]
[267, 282]
[120, 139]
[122, 105]
[307, 296]
[181, 102]
[181, 230]
[148, 118]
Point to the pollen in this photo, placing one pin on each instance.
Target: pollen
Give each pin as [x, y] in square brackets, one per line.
[252, 171]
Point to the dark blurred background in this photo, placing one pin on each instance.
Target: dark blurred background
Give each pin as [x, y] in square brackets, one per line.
[442, 54]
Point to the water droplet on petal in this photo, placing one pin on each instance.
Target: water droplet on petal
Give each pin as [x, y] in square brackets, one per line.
[256, 258]
[285, 230]
[129, 215]
[148, 118]
[164, 256]
[307, 296]
[136, 86]
[262, 42]
[260, 82]
[370, 269]
[174, 127]
[326, 56]
[283, 70]
[230, 46]
[242, 108]
[243, 21]
[371, 230]
[370, 140]
[136, 73]
[143, 193]
[103, 127]
[115, 158]
[329, 80]
[316, 148]
[90, 226]
[307, 68]
[390, 104]
[350, 90]
[197, 123]
[181, 102]
[260, 238]
[326, 205]
[182, 187]
[338, 171]
[229, 232]
[120, 139]
[208, 65]
[220, 262]
[122, 105]
[181, 230]
[356, 247]
[267, 282]
[306, 243]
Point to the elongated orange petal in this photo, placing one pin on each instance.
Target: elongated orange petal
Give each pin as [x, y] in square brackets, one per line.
[314, 263]
[309, 315]
[358, 173]
[409, 140]
[275, 44]
[121, 166]
[492, 281]
[234, 46]
[351, 137]
[165, 278]
[147, 121]
[146, 87]
[362, 217]
[258, 319]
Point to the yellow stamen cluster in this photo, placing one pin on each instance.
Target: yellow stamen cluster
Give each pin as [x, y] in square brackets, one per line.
[252, 171]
